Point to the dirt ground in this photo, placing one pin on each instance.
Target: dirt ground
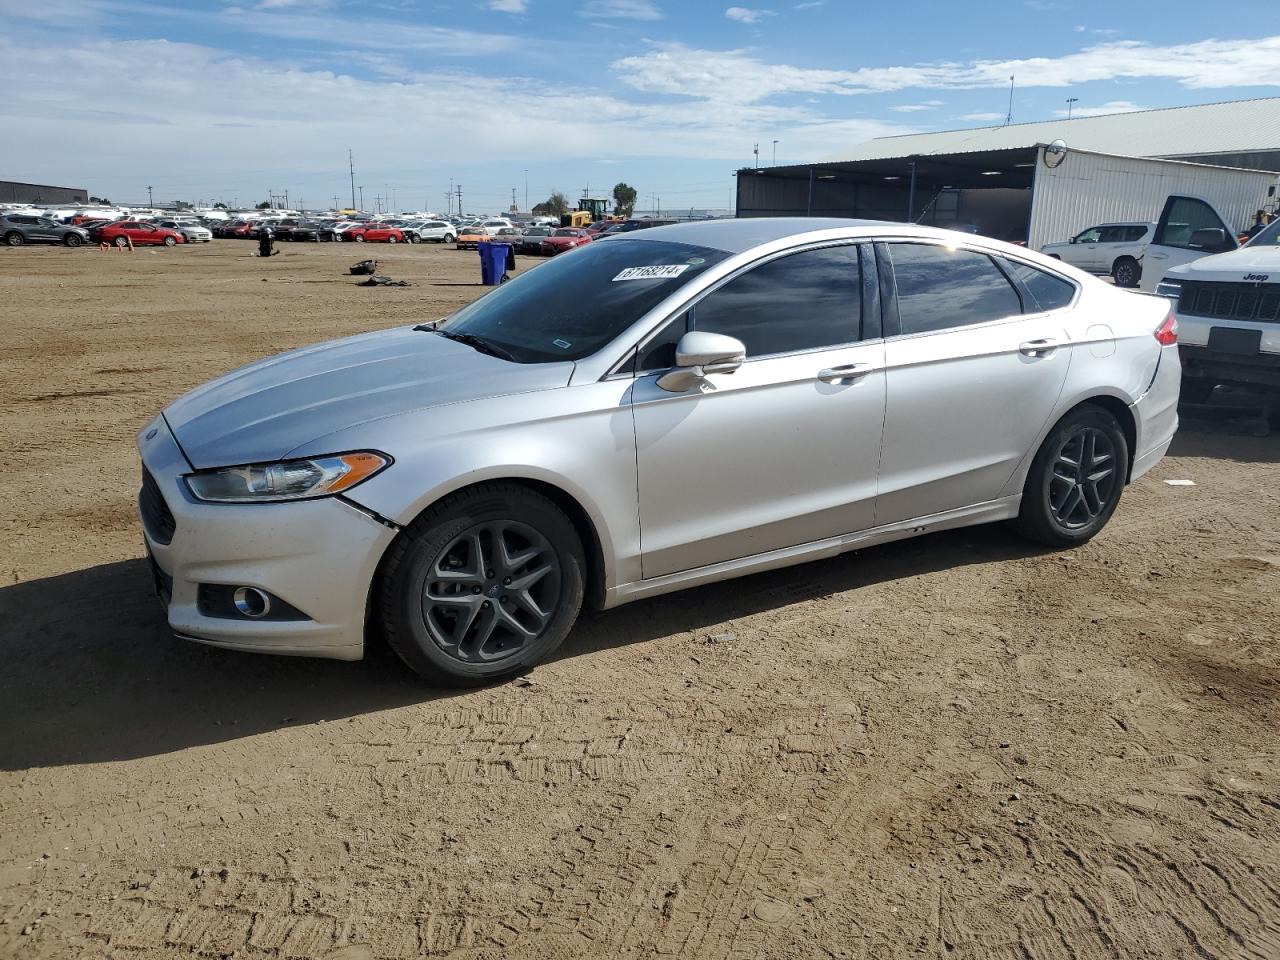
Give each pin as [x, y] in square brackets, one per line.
[953, 747]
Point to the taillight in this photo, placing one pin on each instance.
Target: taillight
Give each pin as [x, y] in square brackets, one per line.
[1167, 332]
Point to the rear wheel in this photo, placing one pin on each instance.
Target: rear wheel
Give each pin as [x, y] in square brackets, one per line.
[448, 238]
[482, 586]
[1076, 479]
[14, 239]
[391, 239]
[73, 240]
[1126, 272]
[359, 238]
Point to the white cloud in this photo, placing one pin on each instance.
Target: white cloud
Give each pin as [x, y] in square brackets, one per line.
[811, 4]
[622, 10]
[295, 4]
[1103, 110]
[509, 6]
[983, 117]
[747, 15]
[736, 76]
[917, 107]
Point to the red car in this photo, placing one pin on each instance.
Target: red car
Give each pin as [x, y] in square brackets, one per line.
[376, 233]
[142, 234]
[566, 238]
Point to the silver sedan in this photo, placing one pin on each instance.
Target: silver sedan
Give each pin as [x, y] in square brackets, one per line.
[661, 409]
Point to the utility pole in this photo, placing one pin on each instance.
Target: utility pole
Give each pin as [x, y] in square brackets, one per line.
[335, 201]
[775, 153]
[351, 163]
[526, 189]
[1071, 101]
[514, 207]
[377, 203]
[459, 199]
[361, 207]
[151, 200]
[658, 200]
[450, 196]
[1008, 119]
[755, 151]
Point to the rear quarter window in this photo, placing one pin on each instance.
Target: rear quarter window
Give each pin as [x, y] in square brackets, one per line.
[1047, 292]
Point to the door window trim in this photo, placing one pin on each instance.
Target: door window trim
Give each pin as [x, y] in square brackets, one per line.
[620, 370]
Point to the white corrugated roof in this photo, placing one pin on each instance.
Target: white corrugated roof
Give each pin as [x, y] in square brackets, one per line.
[1232, 127]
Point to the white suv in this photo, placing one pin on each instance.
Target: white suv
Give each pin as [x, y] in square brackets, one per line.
[439, 230]
[1108, 248]
[1229, 316]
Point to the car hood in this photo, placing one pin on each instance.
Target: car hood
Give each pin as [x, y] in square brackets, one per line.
[1234, 265]
[261, 412]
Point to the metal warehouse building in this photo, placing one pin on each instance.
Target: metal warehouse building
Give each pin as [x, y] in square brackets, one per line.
[1015, 183]
[13, 191]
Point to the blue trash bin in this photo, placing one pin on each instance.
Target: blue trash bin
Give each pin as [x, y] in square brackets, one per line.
[493, 262]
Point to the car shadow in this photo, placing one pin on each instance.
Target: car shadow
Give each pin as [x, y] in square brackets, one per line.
[1207, 438]
[92, 673]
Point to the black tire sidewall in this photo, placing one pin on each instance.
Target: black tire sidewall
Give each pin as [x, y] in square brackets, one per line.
[1122, 263]
[14, 239]
[1035, 518]
[402, 584]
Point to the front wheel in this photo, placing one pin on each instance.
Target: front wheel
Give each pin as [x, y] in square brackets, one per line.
[1126, 272]
[1076, 479]
[482, 586]
[122, 241]
[359, 238]
[72, 240]
[391, 239]
[170, 241]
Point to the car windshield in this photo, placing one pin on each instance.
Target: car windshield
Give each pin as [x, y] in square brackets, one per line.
[571, 306]
[1268, 237]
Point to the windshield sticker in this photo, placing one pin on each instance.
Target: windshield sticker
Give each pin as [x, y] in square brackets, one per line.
[694, 261]
[660, 272]
[562, 344]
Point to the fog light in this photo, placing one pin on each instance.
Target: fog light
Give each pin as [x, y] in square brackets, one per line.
[251, 602]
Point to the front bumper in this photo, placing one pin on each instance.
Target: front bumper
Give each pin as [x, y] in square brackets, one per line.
[1260, 369]
[318, 556]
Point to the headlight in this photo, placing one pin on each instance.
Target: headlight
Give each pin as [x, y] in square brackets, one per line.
[286, 480]
[1169, 288]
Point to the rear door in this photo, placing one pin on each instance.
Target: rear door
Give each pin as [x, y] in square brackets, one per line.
[974, 368]
[1172, 243]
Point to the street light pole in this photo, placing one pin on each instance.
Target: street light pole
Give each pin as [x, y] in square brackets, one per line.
[151, 200]
[361, 197]
[526, 190]
[1070, 102]
[775, 153]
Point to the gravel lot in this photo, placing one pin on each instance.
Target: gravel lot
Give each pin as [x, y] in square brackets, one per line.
[953, 747]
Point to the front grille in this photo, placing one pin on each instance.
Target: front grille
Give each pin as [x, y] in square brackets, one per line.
[156, 516]
[1259, 303]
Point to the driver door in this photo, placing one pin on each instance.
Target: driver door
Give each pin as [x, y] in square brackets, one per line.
[1172, 245]
[785, 450]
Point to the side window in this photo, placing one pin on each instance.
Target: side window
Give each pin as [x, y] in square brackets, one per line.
[660, 352]
[1112, 235]
[940, 288]
[1135, 233]
[1089, 236]
[1182, 217]
[804, 301]
[1047, 291]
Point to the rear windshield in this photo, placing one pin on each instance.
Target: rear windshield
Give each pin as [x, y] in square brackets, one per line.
[572, 305]
[568, 233]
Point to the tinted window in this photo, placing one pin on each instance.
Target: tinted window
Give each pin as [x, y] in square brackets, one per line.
[1183, 217]
[801, 302]
[1047, 291]
[1135, 233]
[1112, 235]
[939, 288]
[569, 307]
[1089, 236]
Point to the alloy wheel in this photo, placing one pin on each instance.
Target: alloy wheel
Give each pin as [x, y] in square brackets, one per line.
[491, 591]
[1085, 479]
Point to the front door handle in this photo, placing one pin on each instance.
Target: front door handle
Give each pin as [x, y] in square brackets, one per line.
[844, 374]
[1038, 348]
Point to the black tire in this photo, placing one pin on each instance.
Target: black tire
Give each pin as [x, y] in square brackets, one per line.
[121, 241]
[73, 240]
[1067, 498]
[448, 238]
[1126, 272]
[435, 538]
[170, 241]
[392, 239]
[14, 239]
[359, 238]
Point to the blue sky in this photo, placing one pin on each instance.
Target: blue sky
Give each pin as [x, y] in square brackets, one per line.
[210, 99]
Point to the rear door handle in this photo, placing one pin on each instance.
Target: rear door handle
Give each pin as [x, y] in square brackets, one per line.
[844, 374]
[1038, 348]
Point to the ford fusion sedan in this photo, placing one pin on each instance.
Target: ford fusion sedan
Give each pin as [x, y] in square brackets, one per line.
[668, 408]
[564, 239]
[122, 232]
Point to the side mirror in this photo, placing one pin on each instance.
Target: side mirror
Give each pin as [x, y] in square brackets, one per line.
[1209, 238]
[1073, 240]
[699, 354]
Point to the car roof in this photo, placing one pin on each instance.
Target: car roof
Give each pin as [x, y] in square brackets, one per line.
[737, 236]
